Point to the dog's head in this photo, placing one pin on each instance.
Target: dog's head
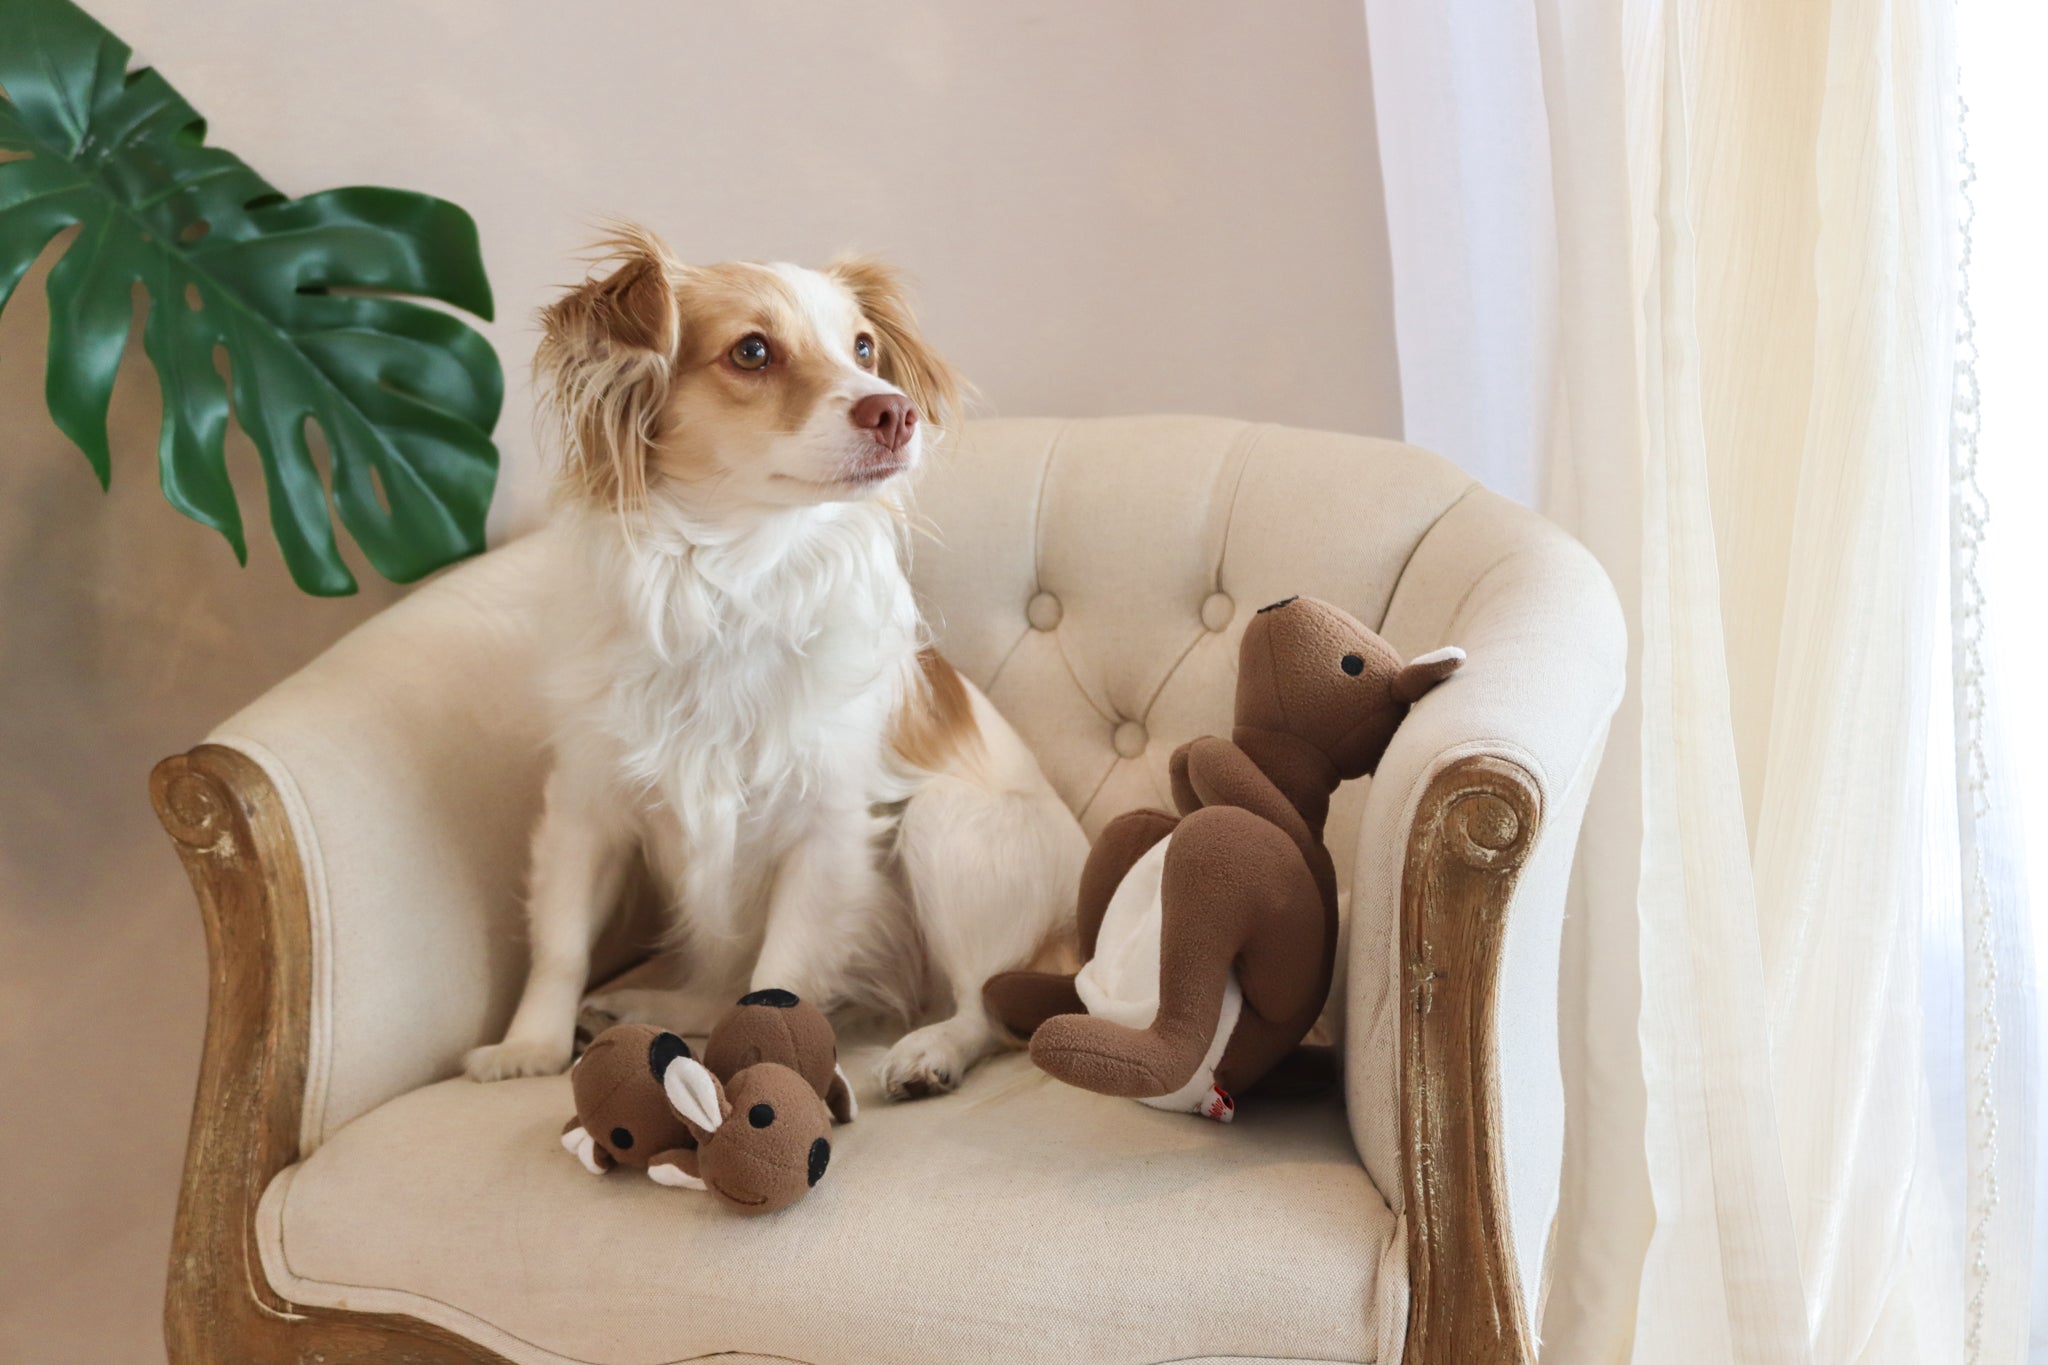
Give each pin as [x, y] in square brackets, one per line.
[744, 383]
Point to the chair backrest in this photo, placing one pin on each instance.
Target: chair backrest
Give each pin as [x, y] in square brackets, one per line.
[1094, 576]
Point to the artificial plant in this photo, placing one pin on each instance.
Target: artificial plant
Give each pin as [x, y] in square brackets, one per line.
[299, 301]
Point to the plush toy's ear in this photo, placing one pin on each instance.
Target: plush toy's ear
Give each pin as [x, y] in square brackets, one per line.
[1426, 671]
[695, 1094]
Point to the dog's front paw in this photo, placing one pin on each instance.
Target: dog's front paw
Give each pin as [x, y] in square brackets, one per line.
[503, 1061]
[930, 1061]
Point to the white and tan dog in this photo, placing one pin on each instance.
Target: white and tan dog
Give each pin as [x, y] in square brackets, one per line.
[741, 682]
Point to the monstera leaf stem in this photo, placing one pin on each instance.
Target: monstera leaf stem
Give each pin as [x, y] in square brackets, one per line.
[313, 300]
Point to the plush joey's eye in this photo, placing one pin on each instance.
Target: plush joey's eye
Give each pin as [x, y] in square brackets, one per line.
[621, 1139]
[1354, 664]
[761, 1115]
[751, 353]
[864, 351]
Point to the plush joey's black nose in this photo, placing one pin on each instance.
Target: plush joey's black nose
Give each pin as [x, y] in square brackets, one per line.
[773, 995]
[821, 1153]
[1275, 606]
[663, 1051]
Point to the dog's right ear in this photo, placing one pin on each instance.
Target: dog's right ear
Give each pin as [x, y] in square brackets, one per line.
[606, 358]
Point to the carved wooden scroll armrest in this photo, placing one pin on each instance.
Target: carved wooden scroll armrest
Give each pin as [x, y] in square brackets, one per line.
[1473, 831]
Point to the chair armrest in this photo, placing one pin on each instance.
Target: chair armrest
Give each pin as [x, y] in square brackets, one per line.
[1457, 912]
[390, 787]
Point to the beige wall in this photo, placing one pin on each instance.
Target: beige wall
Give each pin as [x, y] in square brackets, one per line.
[1113, 207]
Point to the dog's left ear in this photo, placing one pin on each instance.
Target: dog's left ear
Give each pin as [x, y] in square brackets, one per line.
[605, 361]
[907, 360]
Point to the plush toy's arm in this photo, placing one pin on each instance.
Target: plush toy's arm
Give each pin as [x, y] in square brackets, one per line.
[839, 1098]
[676, 1167]
[1214, 772]
[1184, 799]
[584, 1148]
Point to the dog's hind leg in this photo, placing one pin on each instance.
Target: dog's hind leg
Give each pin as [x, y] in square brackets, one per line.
[991, 875]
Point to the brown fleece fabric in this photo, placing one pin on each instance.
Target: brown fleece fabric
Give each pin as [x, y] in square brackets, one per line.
[617, 1085]
[772, 1144]
[1248, 884]
[774, 1064]
[775, 1026]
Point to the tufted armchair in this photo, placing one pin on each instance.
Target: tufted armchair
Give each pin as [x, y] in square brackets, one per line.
[357, 839]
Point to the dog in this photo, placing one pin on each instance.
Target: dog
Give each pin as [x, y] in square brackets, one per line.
[742, 689]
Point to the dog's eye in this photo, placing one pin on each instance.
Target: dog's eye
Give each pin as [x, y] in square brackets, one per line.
[1353, 664]
[864, 351]
[751, 353]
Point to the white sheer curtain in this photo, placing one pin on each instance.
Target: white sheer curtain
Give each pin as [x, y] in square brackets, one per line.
[1742, 333]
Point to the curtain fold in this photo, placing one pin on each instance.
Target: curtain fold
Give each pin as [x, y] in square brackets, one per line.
[1748, 356]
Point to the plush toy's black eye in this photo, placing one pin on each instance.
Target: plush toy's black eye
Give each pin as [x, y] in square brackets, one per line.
[622, 1139]
[1354, 664]
[664, 1050]
[773, 995]
[761, 1115]
[821, 1152]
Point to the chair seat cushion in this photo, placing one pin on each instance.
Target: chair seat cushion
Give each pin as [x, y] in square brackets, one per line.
[1017, 1219]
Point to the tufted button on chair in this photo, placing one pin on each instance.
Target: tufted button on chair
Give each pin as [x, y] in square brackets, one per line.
[357, 839]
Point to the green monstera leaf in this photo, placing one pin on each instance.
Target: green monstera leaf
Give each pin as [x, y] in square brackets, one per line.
[299, 300]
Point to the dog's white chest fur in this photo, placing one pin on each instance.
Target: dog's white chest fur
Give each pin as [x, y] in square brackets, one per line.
[739, 683]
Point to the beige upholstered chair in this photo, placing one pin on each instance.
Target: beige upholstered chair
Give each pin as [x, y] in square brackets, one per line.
[358, 839]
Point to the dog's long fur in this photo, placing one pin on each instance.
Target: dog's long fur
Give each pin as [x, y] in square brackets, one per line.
[740, 678]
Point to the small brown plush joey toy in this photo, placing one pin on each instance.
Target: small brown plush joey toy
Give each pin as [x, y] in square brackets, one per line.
[761, 1104]
[1208, 939]
[771, 1051]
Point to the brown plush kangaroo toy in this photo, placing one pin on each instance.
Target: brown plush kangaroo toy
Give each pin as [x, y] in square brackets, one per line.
[749, 1122]
[1208, 939]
